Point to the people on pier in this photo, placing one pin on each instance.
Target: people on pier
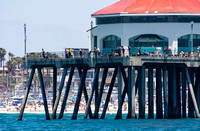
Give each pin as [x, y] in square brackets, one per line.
[98, 51]
[43, 53]
[70, 52]
[95, 52]
[139, 51]
[145, 53]
[165, 51]
[80, 53]
[122, 51]
[83, 53]
[66, 53]
[129, 50]
[182, 54]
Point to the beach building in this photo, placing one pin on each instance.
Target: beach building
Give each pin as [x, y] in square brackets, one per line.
[147, 24]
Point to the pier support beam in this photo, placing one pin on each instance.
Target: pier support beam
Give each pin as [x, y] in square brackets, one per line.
[197, 86]
[183, 93]
[125, 90]
[85, 94]
[165, 90]
[66, 93]
[159, 112]
[53, 116]
[109, 93]
[178, 93]
[150, 93]
[26, 95]
[78, 98]
[96, 113]
[192, 93]
[170, 91]
[95, 81]
[43, 94]
[141, 92]
[119, 114]
[131, 93]
[54, 84]
[190, 103]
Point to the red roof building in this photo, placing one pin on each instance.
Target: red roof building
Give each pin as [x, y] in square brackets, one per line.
[147, 24]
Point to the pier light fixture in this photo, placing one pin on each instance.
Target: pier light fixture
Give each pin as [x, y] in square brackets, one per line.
[191, 42]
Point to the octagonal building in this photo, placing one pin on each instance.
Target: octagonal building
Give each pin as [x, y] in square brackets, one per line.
[147, 24]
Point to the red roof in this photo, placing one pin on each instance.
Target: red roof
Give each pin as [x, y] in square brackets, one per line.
[152, 6]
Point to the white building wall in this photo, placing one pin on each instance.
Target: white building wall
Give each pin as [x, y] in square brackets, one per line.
[127, 30]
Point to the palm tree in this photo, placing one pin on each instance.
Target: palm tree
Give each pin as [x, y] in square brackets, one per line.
[2, 57]
[11, 55]
[19, 62]
[2, 54]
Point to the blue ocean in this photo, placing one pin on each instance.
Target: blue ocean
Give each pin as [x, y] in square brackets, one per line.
[37, 122]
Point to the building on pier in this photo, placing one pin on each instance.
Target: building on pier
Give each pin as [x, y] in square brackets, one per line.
[149, 24]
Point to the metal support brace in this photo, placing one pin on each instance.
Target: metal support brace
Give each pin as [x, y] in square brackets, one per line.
[54, 84]
[109, 93]
[96, 113]
[95, 81]
[125, 90]
[66, 93]
[192, 93]
[43, 94]
[27, 92]
[59, 93]
[85, 94]
[78, 98]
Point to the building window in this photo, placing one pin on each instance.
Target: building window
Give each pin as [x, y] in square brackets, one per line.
[148, 19]
[95, 41]
[184, 42]
[111, 42]
[148, 42]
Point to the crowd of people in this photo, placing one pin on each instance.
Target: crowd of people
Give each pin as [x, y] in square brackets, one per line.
[125, 51]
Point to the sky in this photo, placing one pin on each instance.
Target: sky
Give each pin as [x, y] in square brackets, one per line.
[51, 24]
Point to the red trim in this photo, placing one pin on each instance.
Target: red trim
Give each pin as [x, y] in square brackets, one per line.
[152, 6]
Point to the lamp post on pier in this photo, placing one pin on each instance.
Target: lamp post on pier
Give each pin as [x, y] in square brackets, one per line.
[92, 46]
[25, 55]
[191, 38]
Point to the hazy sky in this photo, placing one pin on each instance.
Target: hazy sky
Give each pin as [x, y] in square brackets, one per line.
[51, 24]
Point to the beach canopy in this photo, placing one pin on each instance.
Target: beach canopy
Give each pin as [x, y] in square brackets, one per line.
[151, 6]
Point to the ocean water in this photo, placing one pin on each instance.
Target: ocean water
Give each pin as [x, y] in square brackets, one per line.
[38, 122]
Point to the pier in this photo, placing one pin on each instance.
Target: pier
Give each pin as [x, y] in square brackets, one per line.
[176, 79]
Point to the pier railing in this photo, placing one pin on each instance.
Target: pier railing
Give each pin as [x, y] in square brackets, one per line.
[97, 54]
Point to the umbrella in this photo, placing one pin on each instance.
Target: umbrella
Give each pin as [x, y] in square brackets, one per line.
[72, 97]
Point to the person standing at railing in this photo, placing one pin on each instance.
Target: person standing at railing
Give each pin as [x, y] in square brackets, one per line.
[198, 50]
[129, 50]
[80, 53]
[70, 52]
[139, 51]
[165, 50]
[99, 52]
[43, 53]
[95, 52]
[122, 51]
[66, 53]
[83, 52]
[182, 54]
